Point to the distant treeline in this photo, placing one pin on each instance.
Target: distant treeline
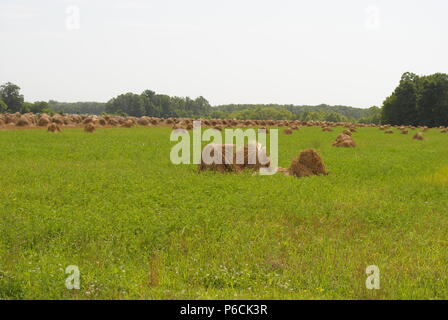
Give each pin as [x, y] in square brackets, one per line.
[152, 104]
[418, 100]
[149, 103]
[77, 107]
[321, 112]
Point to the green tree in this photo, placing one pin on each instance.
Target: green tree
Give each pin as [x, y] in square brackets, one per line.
[374, 116]
[201, 106]
[433, 100]
[418, 101]
[163, 101]
[149, 103]
[77, 107]
[217, 114]
[262, 113]
[129, 103]
[26, 107]
[401, 106]
[333, 117]
[39, 107]
[3, 106]
[10, 94]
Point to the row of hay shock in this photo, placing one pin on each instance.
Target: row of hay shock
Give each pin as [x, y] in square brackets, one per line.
[43, 120]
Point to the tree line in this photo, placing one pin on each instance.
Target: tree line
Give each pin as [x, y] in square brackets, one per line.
[418, 100]
[149, 103]
[12, 101]
[321, 112]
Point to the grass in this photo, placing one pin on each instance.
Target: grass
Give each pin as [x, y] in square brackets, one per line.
[139, 227]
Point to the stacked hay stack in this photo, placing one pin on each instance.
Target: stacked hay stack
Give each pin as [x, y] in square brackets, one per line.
[155, 121]
[59, 120]
[23, 122]
[32, 118]
[128, 124]
[102, 121]
[279, 123]
[75, 118]
[143, 121]
[53, 128]
[251, 157]
[113, 122]
[10, 118]
[43, 121]
[308, 163]
[68, 121]
[418, 136]
[344, 141]
[224, 152]
[169, 121]
[90, 128]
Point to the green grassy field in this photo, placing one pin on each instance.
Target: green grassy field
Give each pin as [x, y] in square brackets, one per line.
[140, 227]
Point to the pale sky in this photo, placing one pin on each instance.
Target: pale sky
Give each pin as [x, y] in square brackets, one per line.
[347, 52]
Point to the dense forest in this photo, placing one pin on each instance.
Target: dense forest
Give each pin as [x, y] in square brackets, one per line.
[418, 100]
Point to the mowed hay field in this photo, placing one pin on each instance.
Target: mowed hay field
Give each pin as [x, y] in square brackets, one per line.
[140, 227]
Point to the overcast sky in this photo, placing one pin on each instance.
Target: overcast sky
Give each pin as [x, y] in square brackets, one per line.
[348, 52]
